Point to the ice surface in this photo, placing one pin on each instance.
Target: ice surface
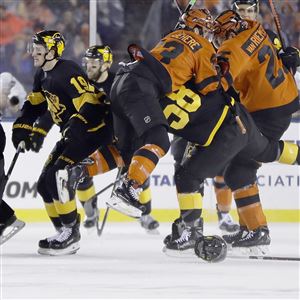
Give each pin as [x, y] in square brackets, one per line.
[126, 262]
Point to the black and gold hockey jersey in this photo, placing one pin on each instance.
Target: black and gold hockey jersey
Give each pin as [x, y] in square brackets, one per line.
[68, 93]
[194, 116]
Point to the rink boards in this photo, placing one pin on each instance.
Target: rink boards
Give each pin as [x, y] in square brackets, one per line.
[279, 185]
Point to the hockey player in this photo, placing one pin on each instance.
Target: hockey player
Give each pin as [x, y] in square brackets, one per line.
[248, 9]
[267, 89]
[198, 111]
[96, 62]
[63, 88]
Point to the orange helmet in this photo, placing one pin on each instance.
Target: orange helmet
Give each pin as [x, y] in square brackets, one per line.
[197, 18]
[225, 24]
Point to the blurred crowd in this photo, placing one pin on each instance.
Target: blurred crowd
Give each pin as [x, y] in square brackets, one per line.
[119, 22]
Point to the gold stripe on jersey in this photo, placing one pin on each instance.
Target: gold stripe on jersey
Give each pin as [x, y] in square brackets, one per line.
[80, 117]
[35, 98]
[289, 153]
[85, 195]
[51, 210]
[145, 196]
[85, 98]
[40, 130]
[65, 208]
[97, 127]
[218, 125]
[189, 201]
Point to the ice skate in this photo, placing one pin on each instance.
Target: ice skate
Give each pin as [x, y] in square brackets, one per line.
[177, 228]
[230, 238]
[149, 224]
[125, 199]
[226, 223]
[91, 214]
[11, 227]
[67, 241]
[185, 244]
[44, 245]
[255, 242]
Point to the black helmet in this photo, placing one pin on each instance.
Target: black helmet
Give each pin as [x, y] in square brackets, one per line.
[211, 248]
[51, 40]
[236, 3]
[101, 52]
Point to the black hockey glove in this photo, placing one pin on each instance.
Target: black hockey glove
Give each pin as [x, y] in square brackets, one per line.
[37, 138]
[291, 59]
[75, 129]
[21, 132]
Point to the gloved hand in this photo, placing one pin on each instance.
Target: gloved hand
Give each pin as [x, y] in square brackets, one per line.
[37, 138]
[291, 59]
[21, 132]
[75, 129]
[221, 63]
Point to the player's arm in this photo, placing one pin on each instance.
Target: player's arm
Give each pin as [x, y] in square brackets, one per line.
[290, 56]
[230, 61]
[40, 130]
[34, 106]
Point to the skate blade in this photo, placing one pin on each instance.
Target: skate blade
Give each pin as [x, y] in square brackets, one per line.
[123, 207]
[189, 253]
[14, 229]
[72, 249]
[248, 251]
[152, 231]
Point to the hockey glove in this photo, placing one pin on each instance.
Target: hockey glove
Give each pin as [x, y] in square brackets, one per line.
[76, 128]
[37, 139]
[21, 132]
[291, 59]
[221, 63]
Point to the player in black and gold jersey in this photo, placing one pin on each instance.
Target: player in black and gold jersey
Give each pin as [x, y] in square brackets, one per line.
[62, 87]
[269, 92]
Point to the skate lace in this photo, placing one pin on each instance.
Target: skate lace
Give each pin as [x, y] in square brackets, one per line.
[54, 237]
[134, 193]
[249, 236]
[66, 233]
[186, 234]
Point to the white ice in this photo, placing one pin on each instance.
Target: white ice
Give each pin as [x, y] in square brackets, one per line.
[125, 262]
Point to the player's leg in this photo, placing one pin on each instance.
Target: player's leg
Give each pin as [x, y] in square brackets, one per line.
[143, 118]
[9, 224]
[146, 220]
[224, 199]
[85, 193]
[241, 177]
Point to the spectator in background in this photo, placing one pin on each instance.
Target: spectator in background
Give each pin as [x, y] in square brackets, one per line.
[12, 95]
[12, 28]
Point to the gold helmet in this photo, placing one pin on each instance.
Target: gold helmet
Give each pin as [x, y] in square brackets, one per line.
[51, 40]
[227, 23]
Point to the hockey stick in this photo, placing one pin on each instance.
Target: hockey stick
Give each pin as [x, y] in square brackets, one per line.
[261, 257]
[277, 23]
[114, 184]
[188, 7]
[3, 183]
